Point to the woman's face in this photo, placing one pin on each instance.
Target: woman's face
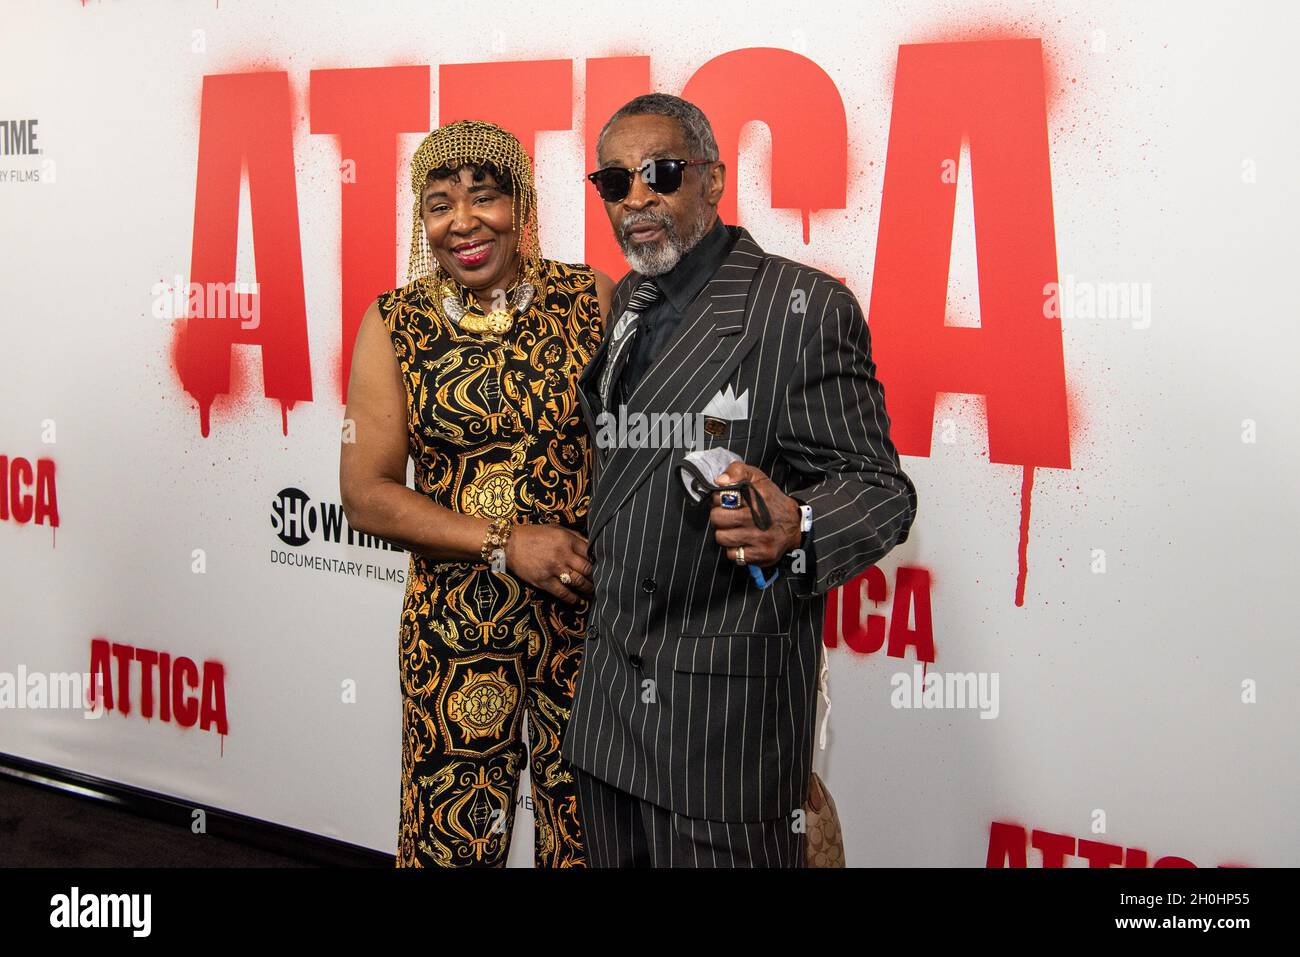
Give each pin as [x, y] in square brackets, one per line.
[471, 232]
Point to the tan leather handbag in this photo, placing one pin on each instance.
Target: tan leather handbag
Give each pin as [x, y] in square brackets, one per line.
[823, 839]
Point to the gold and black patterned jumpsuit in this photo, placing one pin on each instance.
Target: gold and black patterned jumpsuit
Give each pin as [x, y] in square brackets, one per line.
[495, 430]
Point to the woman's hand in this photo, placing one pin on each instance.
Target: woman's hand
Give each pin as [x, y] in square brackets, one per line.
[541, 554]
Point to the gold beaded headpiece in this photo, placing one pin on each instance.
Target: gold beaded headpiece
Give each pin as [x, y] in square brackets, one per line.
[473, 141]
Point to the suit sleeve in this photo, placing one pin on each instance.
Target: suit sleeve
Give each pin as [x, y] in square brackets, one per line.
[834, 434]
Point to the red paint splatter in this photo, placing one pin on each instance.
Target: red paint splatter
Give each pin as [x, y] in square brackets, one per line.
[336, 373]
[1075, 402]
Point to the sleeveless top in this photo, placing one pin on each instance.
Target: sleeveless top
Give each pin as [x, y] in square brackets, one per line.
[494, 426]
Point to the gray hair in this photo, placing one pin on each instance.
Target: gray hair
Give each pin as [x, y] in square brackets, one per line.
[695, 125]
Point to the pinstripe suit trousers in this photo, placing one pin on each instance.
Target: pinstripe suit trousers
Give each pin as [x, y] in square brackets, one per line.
[626, 831]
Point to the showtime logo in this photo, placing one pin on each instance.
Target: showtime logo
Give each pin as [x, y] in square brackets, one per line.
[296, 520]
[28, 492]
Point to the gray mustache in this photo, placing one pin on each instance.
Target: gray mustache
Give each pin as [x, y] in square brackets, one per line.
[644, 219]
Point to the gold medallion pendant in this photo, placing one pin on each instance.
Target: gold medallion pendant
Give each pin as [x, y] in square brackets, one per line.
[497, 322]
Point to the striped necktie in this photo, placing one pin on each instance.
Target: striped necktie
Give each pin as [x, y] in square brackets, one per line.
[645, 296]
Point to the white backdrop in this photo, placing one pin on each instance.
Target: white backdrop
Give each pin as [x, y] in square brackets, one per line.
[1157, 565]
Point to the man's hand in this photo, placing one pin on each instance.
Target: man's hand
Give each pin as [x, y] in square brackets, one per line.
[734, 528]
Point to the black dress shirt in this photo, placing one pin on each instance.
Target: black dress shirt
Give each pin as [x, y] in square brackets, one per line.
[678, 287]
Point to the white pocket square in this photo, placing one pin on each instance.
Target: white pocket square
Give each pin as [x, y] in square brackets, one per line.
[726, 405]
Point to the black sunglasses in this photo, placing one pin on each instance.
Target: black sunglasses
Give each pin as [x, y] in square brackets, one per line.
[613, 183]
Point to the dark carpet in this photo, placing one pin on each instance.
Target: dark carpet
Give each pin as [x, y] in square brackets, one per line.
[44, 827]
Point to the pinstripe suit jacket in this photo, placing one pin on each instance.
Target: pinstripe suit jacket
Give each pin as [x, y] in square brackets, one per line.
[697, 689]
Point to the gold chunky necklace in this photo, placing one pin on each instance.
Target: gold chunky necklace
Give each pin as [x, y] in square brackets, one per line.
[497, 322]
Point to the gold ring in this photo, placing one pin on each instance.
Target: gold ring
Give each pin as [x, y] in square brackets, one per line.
[740, 555]
[566, 578]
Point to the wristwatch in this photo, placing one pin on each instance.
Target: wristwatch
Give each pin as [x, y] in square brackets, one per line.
[805, 523]
[805, 518]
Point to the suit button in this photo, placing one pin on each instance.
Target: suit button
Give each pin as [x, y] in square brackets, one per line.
[648, 585]
[635, 661]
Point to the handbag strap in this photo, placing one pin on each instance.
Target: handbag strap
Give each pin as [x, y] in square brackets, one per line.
[823, 689]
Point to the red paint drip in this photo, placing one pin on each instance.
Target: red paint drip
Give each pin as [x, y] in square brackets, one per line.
[807, 224]
[203, 397]
[1026, 502]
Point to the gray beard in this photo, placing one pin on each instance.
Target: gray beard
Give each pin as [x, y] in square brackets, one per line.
[655, 259]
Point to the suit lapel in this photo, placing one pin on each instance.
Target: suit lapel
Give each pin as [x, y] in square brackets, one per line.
[713, 338]
[589, 378]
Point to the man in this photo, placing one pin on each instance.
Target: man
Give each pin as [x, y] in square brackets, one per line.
[692, 725]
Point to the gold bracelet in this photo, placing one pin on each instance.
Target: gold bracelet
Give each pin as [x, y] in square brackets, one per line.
[498, 534]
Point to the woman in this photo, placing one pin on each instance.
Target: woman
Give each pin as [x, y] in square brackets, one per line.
[471, 369]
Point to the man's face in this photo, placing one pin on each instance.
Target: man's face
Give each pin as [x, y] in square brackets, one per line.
[654, 230]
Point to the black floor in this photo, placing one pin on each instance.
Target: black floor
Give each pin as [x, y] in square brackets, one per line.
[44, 827]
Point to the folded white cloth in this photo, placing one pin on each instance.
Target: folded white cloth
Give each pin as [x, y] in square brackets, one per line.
[711, 463]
